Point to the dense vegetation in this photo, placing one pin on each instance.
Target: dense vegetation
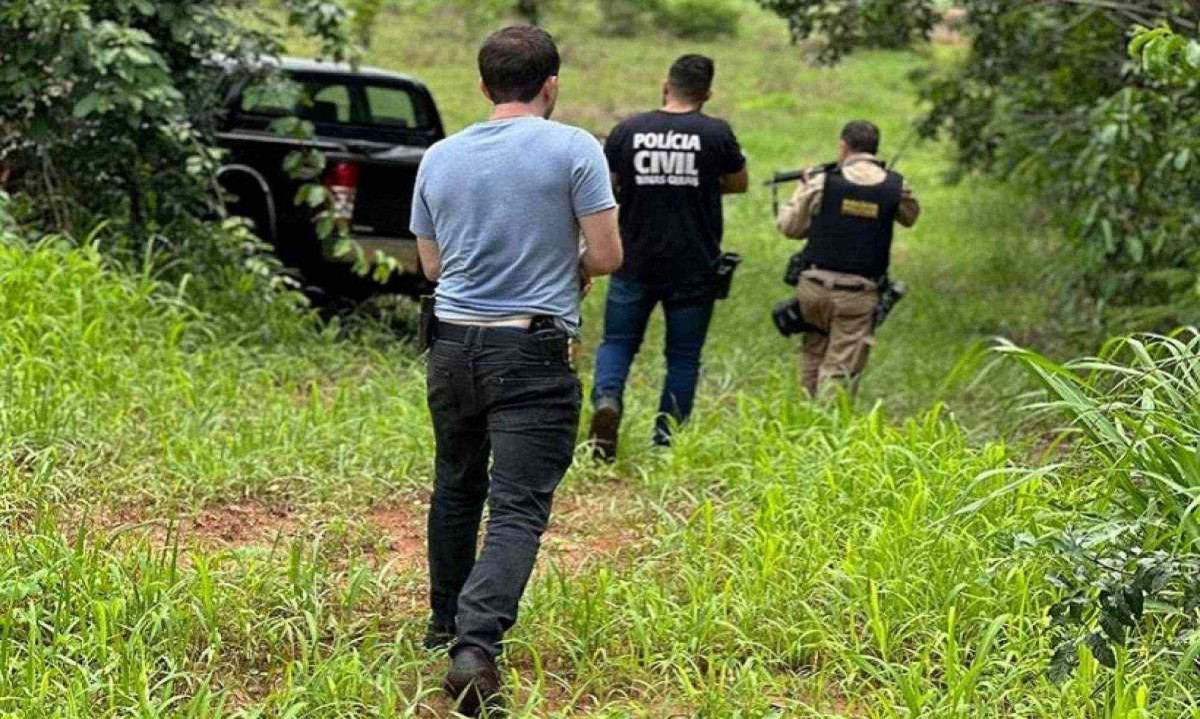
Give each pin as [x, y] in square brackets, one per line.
[109, 107]
[1047, 95]
[210, 501]
[109, 110]
[681, 18]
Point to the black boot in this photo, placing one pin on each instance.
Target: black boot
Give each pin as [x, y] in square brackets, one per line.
[474, 682]
[438, 636]
[606, 426]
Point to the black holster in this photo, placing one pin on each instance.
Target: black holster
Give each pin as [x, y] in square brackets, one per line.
[797, 264]
[726, 265]
[890, 293]
[426, 325]
[790, 320]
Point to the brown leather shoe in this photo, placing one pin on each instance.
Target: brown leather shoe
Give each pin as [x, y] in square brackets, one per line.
[474, 682]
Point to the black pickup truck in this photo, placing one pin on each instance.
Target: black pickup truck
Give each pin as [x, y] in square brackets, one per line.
[372, 127]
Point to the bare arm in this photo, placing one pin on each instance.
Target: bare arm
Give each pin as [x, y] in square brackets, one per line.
[431, 260]
[603, 255]
[735, 184]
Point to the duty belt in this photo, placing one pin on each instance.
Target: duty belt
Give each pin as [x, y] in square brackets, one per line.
[835, 285]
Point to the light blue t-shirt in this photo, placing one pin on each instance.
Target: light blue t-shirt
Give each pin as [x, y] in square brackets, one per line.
[501, 199]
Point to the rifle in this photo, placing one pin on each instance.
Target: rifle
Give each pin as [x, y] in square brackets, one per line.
[890, 292]
[785, 176]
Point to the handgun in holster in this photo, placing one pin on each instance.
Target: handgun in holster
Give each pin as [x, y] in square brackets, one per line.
[796, 265]
[723, 271]
[426, 325]
[556, 342]
[890, 293]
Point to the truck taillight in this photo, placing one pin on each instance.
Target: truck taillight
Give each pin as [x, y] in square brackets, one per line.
[342, 182]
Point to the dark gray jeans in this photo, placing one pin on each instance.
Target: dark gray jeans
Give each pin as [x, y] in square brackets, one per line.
[509, 399]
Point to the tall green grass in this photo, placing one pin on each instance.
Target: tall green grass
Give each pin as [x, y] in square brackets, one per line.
[138, 397]
[1137, 405]
[1127, 561]
[129, 628]
[791, 560]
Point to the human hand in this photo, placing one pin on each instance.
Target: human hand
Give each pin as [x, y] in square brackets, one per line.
[585, 281]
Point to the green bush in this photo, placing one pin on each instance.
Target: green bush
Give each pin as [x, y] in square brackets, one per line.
[110, 107]
[1129, 567]
[682, 18]
[625, 18]
[1047, 92]
[700, 18]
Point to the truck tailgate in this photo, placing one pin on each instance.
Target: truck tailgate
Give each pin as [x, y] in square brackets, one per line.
[385, 189]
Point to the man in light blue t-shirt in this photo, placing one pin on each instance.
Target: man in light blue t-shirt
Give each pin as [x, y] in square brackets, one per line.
[500, 202]
[497, 210]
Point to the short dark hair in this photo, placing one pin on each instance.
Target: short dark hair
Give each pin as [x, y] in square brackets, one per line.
[515, 63]
[691, 77]
[861, 136]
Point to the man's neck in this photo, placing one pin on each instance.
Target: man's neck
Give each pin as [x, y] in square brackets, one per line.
[853, 157]
[679, 107]
[510, 110]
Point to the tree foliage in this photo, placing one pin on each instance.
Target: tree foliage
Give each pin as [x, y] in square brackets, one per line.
[364, 15]
[1165, 54]
[110, 107]
[1049, 93]
[846, 24]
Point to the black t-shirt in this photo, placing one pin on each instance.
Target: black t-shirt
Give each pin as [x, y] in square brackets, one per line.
[670, 167]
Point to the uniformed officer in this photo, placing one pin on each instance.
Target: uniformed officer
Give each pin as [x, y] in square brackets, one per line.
[847, 211]
[497, 212]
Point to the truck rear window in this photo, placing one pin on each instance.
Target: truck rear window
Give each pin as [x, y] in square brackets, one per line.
[348, 103]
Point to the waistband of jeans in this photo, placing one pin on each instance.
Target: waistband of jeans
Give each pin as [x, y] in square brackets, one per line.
[498, 336]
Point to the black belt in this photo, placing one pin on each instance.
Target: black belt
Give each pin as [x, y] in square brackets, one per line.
[498, 336]
[835, 285]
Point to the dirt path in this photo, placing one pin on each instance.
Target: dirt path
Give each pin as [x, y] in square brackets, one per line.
[587, 525]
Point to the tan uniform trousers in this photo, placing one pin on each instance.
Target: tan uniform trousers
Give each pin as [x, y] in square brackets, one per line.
[843, 306]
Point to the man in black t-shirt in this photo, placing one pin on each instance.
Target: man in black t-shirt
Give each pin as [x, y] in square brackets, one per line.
[671, 167]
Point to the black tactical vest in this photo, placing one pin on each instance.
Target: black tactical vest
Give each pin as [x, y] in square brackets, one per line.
[853, 230]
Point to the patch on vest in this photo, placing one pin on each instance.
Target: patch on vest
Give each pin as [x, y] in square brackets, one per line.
[859, 208]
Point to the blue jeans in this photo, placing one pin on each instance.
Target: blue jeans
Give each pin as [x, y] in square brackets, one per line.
[626, 314]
